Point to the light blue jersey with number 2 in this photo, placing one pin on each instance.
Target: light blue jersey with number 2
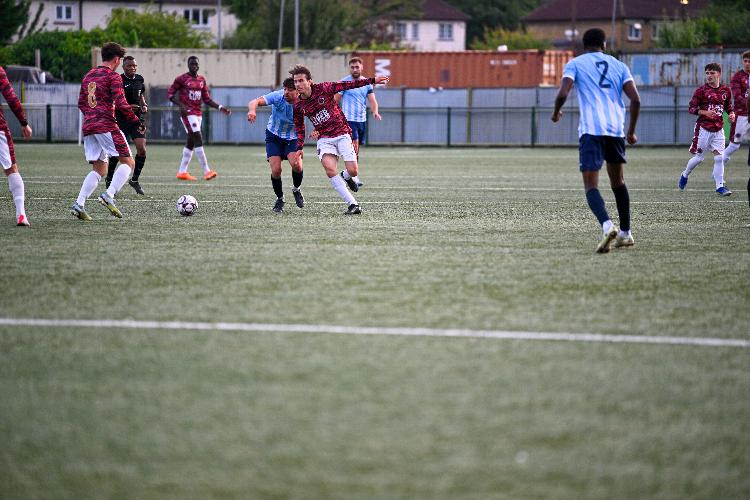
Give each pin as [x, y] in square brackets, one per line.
[599, 79]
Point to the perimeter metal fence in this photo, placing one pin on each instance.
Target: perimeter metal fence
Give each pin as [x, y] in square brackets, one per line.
[451, 117]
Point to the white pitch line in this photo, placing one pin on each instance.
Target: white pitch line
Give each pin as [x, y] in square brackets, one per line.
[364, 330]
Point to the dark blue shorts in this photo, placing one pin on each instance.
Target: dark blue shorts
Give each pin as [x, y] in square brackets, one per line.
[276, 146]
[358, 131]
[594, 150]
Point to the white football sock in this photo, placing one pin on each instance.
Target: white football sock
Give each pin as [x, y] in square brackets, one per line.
[692, 163]
[346, 175]
[340, 186]
[187, 155]
[623, 234]
[606, 226]
[719, 171]
[201, 154]
[730, 150]
[88, 186]
[119, 179]
[15, 183]
[356, 179]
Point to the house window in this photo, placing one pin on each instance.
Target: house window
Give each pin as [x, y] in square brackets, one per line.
[400, 30]
[63, 13]
[635, 31]
[445, 31]
[415, 31]
[198, 18]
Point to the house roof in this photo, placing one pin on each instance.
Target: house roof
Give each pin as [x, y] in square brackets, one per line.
[562, 10]
[438, 10]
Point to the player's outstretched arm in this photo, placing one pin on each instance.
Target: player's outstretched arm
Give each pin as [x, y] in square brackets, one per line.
[562, 96]
[635, 108]
[374, 106]
[252, 108]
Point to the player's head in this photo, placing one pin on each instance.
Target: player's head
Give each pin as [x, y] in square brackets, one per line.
[713, 73]
[595, 39]
[290, 91]
[302, 79]
[193, 65]
[746, 61]
[355, 67]
[112, 52]
[129, 65]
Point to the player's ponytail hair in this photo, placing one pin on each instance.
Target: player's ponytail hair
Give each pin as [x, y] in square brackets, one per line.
[299, 69]
[110, 50]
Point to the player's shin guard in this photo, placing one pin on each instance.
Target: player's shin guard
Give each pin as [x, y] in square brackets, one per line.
[111, 169]
[718, 171]
[187, 155]
[201, 154]
[88, 186]
[140, 161]
[596, 204]
[277, 187]
[297, 178]
[729, 151]
[339, 184]
[692, 163]
[118, 180]
[17, 189]
[622, 198]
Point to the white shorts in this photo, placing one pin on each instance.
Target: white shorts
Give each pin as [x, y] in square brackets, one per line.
[707, 142]
[7, 158]
[340, 146]
[99, 147]
[740, 130]
[192, 123]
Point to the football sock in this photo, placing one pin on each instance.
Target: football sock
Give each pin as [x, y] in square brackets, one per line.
[719, 171]
[140, 161]
[297, 178]
[119, 179]
[346, 175]
[622, 198]
[111, 168]
[15, 183]
[187, 155]
[730, 150]
[624, 234]
[88, 186]
[692, 163]
[201, 154]
[596, 204]
[607, 225]
[340, 186]
[276, 183]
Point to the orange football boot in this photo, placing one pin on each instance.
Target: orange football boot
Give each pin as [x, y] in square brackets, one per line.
[184, 176]
[209, 175]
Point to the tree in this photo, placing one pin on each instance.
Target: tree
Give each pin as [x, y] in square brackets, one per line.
[690, 34]
[492, 14]
[151, 29]
[15, 13]
[514, 40]
[733, 17]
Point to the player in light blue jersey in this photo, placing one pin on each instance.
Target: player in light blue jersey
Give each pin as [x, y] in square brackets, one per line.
[281, 140]
[354, 105]
[599, 80]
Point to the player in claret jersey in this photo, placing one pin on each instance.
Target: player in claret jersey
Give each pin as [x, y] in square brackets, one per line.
[316, 101]
[7, 154]
[709, 102]
[189, 91]
[134, 87]
[101, 93]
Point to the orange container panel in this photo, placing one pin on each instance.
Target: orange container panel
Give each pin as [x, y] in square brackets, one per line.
[524, 68]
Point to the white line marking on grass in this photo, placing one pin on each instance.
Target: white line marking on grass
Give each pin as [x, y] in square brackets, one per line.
[366, 330]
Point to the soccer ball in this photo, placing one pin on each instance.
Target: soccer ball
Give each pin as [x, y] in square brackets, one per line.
[186, 205]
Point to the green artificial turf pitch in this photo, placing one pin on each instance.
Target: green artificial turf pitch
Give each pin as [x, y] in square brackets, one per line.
[475, 239]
